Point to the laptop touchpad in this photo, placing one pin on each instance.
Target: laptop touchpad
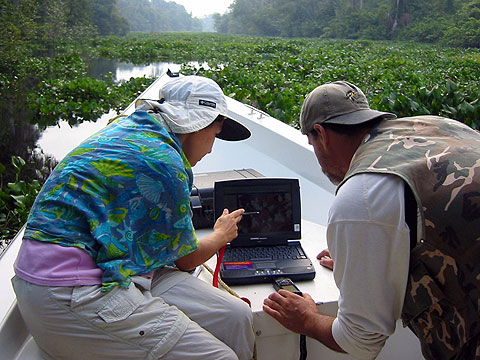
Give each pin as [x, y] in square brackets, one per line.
[265, 265]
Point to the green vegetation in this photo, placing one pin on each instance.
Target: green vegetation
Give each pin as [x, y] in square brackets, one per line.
[447, 22]
[274, 74]
[16, 199]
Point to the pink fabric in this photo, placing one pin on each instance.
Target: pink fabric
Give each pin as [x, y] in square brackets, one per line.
[50, 264]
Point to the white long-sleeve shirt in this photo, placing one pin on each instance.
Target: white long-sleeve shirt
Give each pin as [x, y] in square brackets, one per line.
[369, 242]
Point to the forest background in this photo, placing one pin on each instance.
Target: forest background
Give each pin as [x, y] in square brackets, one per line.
[410, 57]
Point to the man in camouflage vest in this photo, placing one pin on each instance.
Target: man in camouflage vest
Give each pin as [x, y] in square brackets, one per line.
[403, 231]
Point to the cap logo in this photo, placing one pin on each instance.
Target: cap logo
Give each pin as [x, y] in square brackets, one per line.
[355, 97]
[351, 95]
[207, 103]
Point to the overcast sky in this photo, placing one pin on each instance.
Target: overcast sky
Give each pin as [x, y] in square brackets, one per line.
[200, 8]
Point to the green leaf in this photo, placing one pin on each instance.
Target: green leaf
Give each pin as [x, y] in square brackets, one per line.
[18, 162]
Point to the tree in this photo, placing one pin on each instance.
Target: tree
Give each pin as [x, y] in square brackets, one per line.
[157, 16]
[107, 19]
[303, 18]
[79, 15]
[421, 20]
[465, 31]
[29, 38]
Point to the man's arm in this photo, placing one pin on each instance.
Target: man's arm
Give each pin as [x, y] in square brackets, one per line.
[369, 243]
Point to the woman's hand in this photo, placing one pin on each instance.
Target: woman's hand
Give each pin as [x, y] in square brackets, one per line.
[224, 231]
[227, 225]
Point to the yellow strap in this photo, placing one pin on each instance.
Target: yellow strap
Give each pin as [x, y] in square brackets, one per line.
[221, 282]
[229, 290]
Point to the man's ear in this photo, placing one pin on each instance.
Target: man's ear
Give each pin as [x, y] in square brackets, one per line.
[322, 134]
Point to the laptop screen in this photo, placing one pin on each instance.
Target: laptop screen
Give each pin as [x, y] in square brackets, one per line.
[272, 209]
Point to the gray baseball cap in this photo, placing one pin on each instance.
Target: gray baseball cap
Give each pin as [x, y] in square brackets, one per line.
[339, 102]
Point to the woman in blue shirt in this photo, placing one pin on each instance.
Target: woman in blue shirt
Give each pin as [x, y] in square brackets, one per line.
[98, 273]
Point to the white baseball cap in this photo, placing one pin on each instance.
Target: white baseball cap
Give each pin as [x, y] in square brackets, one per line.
[191, 103]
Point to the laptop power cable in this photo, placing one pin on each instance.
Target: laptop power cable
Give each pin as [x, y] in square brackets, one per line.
[216, 275]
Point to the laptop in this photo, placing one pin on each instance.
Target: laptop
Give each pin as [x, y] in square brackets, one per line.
[268, 242]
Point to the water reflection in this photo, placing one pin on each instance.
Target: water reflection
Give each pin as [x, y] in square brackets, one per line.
[58, 141]
[125, 71]
[98, 68]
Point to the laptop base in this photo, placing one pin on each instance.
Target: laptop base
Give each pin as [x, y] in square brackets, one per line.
[254, 271]
[258, 276]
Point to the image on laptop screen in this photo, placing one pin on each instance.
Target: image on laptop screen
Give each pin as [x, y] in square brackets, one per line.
[272, 207]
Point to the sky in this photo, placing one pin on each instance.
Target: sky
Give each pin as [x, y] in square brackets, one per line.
[200, 8]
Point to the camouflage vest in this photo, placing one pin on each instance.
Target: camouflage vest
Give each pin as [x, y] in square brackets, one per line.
[439, 159]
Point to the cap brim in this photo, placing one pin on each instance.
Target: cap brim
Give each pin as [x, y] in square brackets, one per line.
[233, 130]
[359, 116]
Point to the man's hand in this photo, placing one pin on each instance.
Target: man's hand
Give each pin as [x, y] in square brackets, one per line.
[295, 312]
[325, 259]
[299, 314]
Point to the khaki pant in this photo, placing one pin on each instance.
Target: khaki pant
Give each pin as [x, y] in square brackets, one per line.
[175, 316]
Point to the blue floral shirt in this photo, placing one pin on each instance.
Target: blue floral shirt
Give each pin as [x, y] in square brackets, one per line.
[123, 196]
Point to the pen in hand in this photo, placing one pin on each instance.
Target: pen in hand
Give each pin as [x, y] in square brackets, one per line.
[251, 213]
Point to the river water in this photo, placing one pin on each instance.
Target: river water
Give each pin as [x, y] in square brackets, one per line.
[58, 141]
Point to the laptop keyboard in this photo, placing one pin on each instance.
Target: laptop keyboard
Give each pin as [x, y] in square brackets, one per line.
[264, 253]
